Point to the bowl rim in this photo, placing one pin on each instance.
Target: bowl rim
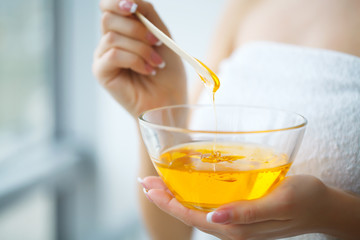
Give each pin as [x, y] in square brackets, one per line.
[144, 122]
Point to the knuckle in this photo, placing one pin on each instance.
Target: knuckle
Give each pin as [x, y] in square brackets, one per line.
[134, 60]
[110, 38]
[188, 220]
[106, 19]
[97, 71]
[145, 50]
[112, 54]
[249, 215]
[287, 199]
[136, 29]
[288, 195]
[315, 183]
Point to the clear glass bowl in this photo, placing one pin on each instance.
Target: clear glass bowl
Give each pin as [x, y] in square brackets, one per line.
[209, 156]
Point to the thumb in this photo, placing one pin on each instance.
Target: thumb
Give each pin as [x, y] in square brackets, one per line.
[129, 7]
[246, 212]
[148, 10]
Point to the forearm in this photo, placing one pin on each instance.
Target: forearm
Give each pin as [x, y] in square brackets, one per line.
[344, 215]
[160, 225]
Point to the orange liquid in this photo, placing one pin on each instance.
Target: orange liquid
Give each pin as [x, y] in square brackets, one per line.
[215, 79]
[203, 179]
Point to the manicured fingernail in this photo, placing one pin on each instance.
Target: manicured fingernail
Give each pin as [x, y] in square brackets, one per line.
[220, 216]
[162, 65]
[141, 181]
[158, 43]
[209, 217]
[147, 195]
[150, 69]
[152, 39]
[156, 58]
[128, 6]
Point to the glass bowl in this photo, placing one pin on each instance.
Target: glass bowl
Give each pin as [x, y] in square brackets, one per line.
[211, 155]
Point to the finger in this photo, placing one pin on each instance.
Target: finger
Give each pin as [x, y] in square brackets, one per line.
[264, 230]
[143, 7]
[123, 7]
[247, 212]
[127, 26]
[114, 40]
[170, 205]
[106, 67]
[148, 10]
[271, 229]
[153, 182]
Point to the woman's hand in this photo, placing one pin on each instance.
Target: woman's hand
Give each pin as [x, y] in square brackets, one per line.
[131, 65]
[298, 205]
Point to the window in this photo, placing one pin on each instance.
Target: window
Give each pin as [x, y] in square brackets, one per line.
[47, 169]
[25, 74]
[68, 153]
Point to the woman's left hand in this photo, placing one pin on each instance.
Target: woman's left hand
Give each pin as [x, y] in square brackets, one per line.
[298, 205]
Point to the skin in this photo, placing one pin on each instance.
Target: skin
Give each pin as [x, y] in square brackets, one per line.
[125, 60]
[300, 204]
[121, 64]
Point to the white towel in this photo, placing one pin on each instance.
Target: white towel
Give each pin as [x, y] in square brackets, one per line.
[322, 85]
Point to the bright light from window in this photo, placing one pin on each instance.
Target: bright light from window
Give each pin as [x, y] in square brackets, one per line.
[25, 73]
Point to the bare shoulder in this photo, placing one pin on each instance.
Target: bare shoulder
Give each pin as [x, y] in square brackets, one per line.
[324, 24]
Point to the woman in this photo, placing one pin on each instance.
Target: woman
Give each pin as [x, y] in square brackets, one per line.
[287, 54]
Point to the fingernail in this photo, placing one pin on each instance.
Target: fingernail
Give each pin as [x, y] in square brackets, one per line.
[153, 73]
[209, 217]
[152, 39]
[141, 181]
[158, 43]
[128, 6]
[147, 195]
[156, 58]
[162, 65]
[220, 216]
[150, 69]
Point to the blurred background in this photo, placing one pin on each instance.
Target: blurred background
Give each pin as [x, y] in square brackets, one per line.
[68, 152]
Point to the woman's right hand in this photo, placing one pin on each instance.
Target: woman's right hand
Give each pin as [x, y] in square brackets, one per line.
[128, 62]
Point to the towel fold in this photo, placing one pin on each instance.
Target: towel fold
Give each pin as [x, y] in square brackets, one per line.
[322, 85]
